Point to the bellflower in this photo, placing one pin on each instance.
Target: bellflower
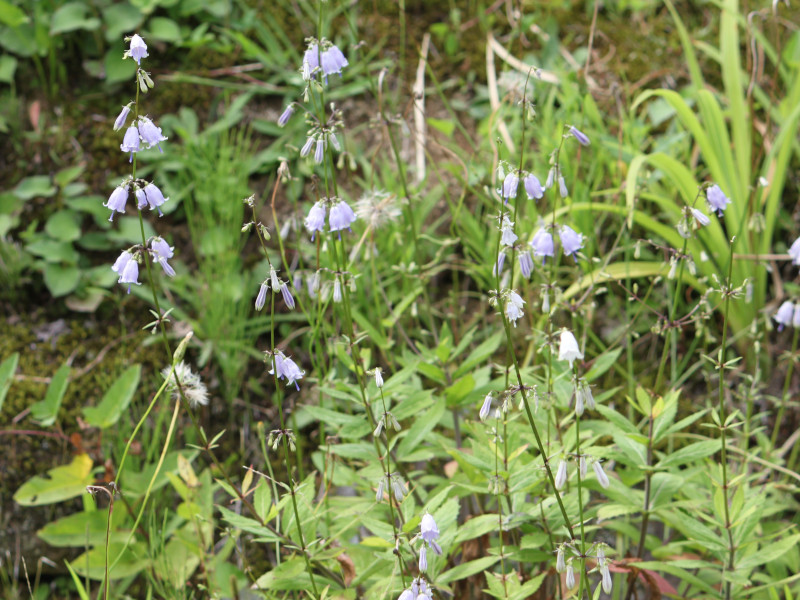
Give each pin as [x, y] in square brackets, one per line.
[430, 532]
[341, 217]
[287, 296]
[796, 317]
[578, 401]
[319, 153]
[286, 115]
[501, 259]
[315, 221]
[151, 135]
[130, 143]
[337, 290]
[784, 315]
[407, 595]
[569, 579]
[138, 49]
[306, 149]
[310, 61]
[331, 137]
[285, 367]
[525, 263]
[561, 474]
[161, 252]
[130, 274]
[699, 217]
[378, 378]
[333, 61]
[122, 260]
[533, 187]
[119, 123]
[262, 296]
[717, 200]
[514, 304]
[542, 244]
[508, 236]
[510, 184]
[423, 559]
[571, 241]
[151, 195]
[117, 200]
[794, 252]
[562, 187]
[486, 407]
[606, 581]
[602, 478]
[580, 136]
[582, 466]
[561, 564]
[568, 348]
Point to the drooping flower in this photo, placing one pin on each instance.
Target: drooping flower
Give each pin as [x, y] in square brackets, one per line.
[784, 315]
[571, 241]
[311, 61]
[501, 259]
[562, 187]
[138, 49]
[579, 407]
[378, 377]
[130, 143]
[407, 595]
[273, 280]
[568, 348]
[510, 184]
[796, 317]
[151, 135]
[306, 149]
[341, 217]
[122, 260]
[794, 252]
[561, 564]
[119, 123]
[423, 559]
[319, 153]
[161, 252]
[151, 195]
[261, 299]
[582, 468]
[508, 237]
[606, 579]
[570, 577]
[287, 296]
[430, 532]
[580, 136]
[525, 263]
[117, 200]
[700, 218]
[486, 407]
[333, 61]
[533, 187]
[514, 310]
[542, 244]
[561, 474]
[283, 366]
[717, 200]
[602, 478]
[286, 115]
[130, 274]
[315, 221]
[334, 141]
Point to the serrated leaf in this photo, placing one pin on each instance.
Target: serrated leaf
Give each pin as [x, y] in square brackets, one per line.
[115, 401]
[61, 483]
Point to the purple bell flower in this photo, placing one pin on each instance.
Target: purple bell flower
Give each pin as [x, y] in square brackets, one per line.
[130, 143]
[717, 200]
[341, 217]
[138, 49]
[262, 296]
[286, 115]
[117, 201]
[119, 123]
[510, 184]
[571, 241]
[130, 274]
[285, 367]
[580, 136]
[315, 221]
[784, 315]
[542, 244]
[161, 252]
[151, 135]
[533, 187]
[150, 195]
[119, 264]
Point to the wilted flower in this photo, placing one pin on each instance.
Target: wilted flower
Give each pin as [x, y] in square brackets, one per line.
[430, 532]
[784, 315]
[130, 143]
[571, 241]
[138, 49]
[182, 379]
[568, 348]
[582, 466]
[315, 221]
[117, 200]
[562, 187]
[561, 474]
[717, 200]
[378, 377]
[542, 244]
[570, 577]
[580, 136]
[606, 580]
[561, 564]
[119, 123]
[602, 478]
[337, 290]
[533, 187]
[285, 367]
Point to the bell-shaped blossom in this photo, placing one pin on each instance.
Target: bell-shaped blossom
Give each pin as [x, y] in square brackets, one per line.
[287, 296]
[602, 478]
[700, 218]
[306, 149]
[551, 177]
[498, 266]
[561, 474]
[579, 406]
[319, 153]
[486, 407]
[162, 251]
[261, 299]
[794, 252]
[331, 137]
[606, 579]
[571, 241]
[580, 136]
[562, 187]
[568, 348]
[130, 143]
[569, 578]
[341, 217]
[311, 61]
[508, 237]
[423, 559]
[796, 316]
[514, 303]
[430, 532]
[525, 263]
[378, 377]
[533, 187]
[130, 274]
[285, 367]
[315, 220]
[117, 200]
[784, 315]
[510, 184]
[717, 200]
[407, 595]
[542, 244]
[151, 195]
[138, 49]
[119, 123]
[333, 61]
[337, 290]
[561, 564]
[122, 260]
[286, 115]
[151, 135]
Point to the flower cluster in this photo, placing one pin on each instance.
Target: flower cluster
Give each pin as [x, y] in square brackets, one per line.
[322, 56]
[788, 315]
[531, 183]
[284, 367]
[277, 285]
[429, 533]
[419, 590]
[341, 216]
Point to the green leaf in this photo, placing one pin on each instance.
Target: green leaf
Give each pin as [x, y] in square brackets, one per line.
[76, 580]
[64, 225]
[690, 453]
[128, 564]
[45, 411]
[119, 19]
[8, 66]
[11, 15]
[445, 126]
[7, 369]
[115, 400]
[116, 69]
[464, 570]
[475, 527]
[247, 524]
[480, 354]
[61, 279]
[38, 186]
[166, 30]
[72, 16]
[603, 363]
[769, 552]
[61, 483]
[420, 429]
[84, 527]
[52, 251]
